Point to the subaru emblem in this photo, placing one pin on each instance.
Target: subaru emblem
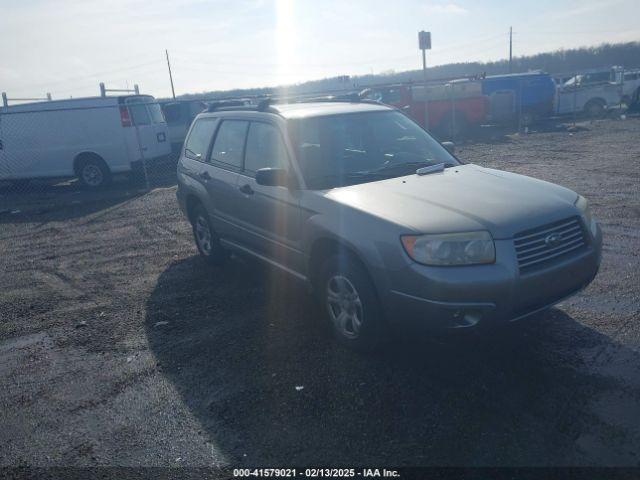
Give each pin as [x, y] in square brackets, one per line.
[553, 239]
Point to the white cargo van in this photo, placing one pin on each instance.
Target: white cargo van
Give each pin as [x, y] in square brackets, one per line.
[89, 138]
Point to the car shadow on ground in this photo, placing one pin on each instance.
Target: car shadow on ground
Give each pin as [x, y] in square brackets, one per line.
[63, 200]
[254, 361]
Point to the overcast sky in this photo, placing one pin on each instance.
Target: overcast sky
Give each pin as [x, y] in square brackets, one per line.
[67, 47]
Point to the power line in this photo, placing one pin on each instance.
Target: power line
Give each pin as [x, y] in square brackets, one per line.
[97, 74]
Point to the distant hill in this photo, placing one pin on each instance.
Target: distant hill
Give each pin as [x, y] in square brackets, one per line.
[558, 62]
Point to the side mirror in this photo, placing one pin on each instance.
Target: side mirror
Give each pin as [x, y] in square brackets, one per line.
[273, 177]
[450, 146]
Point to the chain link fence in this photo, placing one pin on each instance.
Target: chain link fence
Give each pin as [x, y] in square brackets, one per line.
[76, 150]
[70, 150]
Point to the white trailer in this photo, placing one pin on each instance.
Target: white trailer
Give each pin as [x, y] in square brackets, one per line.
[89, 138]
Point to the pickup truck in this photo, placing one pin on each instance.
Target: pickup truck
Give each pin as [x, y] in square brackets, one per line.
[591, 93]
[452, 108]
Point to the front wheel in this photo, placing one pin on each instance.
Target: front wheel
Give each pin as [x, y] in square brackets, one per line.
[351, 303]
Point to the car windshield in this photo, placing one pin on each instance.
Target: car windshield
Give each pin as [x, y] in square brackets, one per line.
[339, 150]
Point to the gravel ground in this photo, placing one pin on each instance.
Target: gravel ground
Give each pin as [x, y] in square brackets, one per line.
[120, 347]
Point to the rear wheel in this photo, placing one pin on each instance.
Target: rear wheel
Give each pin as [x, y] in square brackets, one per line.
[93, 172]
[595, 108]
[206, 238]
[351, 303]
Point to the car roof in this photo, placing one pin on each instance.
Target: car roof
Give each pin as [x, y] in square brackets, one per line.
[317, 109]
[298, 110]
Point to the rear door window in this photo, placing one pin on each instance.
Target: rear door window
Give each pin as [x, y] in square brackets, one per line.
[197, 145]
[139, 114]
[228, 147]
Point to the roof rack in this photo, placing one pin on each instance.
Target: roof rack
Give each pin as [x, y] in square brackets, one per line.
[5, 99]
[223, 104]
[265, 104]
[104, 90]
[347, 97]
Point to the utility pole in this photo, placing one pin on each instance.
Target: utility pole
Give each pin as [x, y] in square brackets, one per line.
[510, 48]
[424, 43]
[173, 92]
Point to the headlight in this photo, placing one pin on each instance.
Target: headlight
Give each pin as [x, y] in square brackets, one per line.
[585, 211]
[451, 248]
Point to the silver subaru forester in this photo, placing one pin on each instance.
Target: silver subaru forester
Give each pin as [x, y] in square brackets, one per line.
[385, 224]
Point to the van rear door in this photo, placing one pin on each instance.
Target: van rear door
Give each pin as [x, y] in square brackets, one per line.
[151, 129]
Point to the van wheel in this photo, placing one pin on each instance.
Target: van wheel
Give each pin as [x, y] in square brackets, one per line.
[351, 303]
[93, 173]
[206, 238]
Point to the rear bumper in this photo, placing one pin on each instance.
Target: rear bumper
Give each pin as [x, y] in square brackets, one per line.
[487, 295]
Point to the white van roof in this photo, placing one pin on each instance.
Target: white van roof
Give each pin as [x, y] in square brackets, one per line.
[74, 103]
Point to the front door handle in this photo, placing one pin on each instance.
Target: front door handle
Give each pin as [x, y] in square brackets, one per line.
[205, 175]
[246, 189]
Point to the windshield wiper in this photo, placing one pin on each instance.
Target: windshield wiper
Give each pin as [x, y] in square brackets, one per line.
[439, 167]
[401, 166]
[349, 176]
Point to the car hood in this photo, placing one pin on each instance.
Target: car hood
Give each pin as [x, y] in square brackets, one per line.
[462, 198]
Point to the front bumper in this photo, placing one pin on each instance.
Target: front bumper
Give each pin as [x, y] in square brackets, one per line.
[462, 297]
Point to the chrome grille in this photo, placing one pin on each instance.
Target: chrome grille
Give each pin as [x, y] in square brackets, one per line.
[549, 242]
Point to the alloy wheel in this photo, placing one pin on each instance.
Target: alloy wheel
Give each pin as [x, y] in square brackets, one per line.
[92, 175]
[203, 235]
[345, 306]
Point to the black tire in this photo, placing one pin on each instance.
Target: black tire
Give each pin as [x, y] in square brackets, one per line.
[371, 331]
[93, 172]
[595, 108]
[210, 249]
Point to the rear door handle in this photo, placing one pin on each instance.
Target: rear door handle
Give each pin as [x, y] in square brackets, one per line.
[246, 189]
[204, 175]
